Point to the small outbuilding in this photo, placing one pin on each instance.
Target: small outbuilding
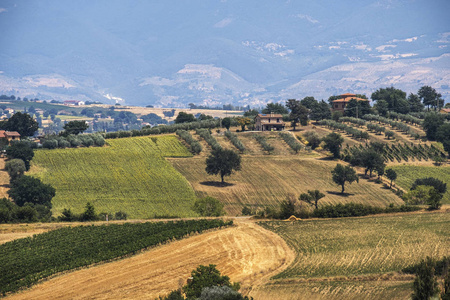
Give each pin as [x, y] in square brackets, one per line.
[269, 122]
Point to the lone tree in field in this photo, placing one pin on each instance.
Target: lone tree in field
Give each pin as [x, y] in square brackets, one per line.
[391, 175]
[202, 277]
[333, 143]
[226, 122]
[342, 174]
[312, 197]
[223, 162]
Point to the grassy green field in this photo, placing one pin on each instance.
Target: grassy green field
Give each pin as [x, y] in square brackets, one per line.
[129, 175]
[406, 175]
[362, 246]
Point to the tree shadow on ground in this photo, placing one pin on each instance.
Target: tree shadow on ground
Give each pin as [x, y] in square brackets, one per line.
[340, 194]
[328, 158]
[216, 183]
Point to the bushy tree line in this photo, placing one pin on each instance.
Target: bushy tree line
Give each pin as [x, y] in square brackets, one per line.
[394, 124]
[235, 140]
[90, 214]
[161, 129]
[291, 141]
[73, 141]
[195, 146]
[263, 142]
[289, 208]
[408, 118]
[357, 210]
[355, 133]
[399, 152]
[206, 135]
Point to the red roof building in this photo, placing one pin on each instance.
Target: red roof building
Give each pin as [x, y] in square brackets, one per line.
[341, 103]
[9, 135]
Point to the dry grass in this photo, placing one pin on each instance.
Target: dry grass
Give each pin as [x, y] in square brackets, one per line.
[246, 253]
[266, 180]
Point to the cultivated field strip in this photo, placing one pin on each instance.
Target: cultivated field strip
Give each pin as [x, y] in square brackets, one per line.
[363, 246]
[246, 253]
[267, 180]
[130, 175]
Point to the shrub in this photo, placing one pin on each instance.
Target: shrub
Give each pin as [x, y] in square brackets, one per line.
[312, 138]
[50, 144]
[235, 140]
[120, 215]
[15, 168]
[196, 148]
[208, 207]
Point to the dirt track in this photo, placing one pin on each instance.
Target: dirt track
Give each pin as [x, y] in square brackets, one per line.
[246, 253]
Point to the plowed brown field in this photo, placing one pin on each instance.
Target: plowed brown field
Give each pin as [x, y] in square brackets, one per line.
[247, 253]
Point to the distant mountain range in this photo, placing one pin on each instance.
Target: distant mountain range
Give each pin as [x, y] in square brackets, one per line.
[171, 53]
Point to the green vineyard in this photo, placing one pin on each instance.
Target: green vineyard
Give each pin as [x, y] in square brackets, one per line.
[131, 175]
[24, 262]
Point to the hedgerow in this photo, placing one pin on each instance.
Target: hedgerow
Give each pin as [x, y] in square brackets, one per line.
[262, 141]
[206, 135]
[161, 129]
[235, 140]
[356, 210]
[25, 261]
[73, 141]
[355, 133]
[193, 143]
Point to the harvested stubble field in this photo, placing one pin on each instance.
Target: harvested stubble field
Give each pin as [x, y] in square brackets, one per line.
[129, 175]
[407, 174]
[246, 253]
[266, 180]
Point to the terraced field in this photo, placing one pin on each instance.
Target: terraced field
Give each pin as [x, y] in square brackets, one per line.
[406, 175]
[129, 175]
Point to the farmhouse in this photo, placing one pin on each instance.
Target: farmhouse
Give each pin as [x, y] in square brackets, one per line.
[9, 135]
[73, 103]
[269, 122]
[445, 111]
[341, 103]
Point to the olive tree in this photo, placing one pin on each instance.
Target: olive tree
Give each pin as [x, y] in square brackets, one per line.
[223, 162]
